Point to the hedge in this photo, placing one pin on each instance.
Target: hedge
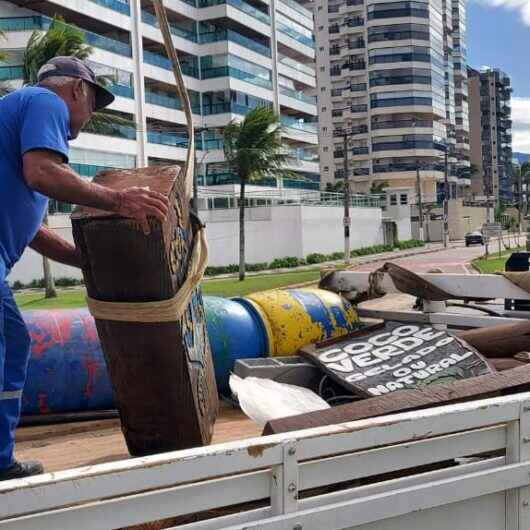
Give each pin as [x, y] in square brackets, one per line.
[312, 259]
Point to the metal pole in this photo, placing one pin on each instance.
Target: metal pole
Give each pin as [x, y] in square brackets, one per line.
[519, 202]
[420, 204]
[446, 201]
[346, 203]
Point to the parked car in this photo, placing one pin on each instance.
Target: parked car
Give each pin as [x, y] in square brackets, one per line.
[474, 238]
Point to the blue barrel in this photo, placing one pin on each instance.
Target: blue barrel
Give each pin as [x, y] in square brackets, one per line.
[67, 370]
[234, 333]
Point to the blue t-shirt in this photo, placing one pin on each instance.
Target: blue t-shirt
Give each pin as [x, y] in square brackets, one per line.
[30, 118]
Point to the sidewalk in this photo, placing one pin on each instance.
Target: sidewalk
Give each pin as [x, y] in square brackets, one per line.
[354, 262]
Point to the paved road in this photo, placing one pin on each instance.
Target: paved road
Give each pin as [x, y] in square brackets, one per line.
[450, 260]
[455, 260]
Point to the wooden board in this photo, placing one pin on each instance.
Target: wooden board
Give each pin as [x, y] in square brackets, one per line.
[510, 381]
[376, 361]
[504, 340]
[72, 445]
[162, 373]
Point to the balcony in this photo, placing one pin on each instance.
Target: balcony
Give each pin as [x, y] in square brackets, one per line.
[293, 123]
[237, 38]
[355, 22]
[225, 107]
[303, 39]
[124, 91]
[299, 8]
[357, 65]
[333, 9]
[175, 139]
[397, 13]
[9, 73]
[155, 59]
[401, 124]
[401, 102]
[115, 5]
[163, 100]
[43, 23]
[312, 100]
[356, 44]
[358, 108]
[241, 6]
[396, 168]
[405, 145]
[300, 67]
[151, 19]
[334, 28]
[229, 71]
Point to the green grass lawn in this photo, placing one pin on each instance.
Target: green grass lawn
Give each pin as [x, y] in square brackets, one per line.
[494, 263]
[72, 298]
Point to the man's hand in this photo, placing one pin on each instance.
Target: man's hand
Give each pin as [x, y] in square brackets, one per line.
[139, 203]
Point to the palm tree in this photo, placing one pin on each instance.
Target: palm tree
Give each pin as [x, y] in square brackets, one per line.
[377, 188]
[253, 149]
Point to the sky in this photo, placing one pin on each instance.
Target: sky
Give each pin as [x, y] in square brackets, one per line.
[499, 37]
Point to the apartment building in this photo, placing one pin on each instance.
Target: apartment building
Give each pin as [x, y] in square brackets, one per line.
[491, 138]
[391, 75]
[235, 54]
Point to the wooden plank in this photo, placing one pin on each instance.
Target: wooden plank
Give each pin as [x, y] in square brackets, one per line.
[500, 341]
[509, 381]
[460, 286]
[162, 372]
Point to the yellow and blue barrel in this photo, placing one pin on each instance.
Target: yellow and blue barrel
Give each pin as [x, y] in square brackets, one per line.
[67, 370]
[293, 318]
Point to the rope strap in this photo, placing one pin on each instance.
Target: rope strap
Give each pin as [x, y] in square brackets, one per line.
[164, 310]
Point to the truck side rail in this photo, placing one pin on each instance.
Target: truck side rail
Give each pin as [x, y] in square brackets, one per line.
[396, 470]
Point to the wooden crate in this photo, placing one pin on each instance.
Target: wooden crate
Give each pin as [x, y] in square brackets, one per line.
[162, 372]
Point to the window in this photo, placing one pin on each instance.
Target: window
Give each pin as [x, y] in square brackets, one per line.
[393, 200]
[403, 199]
[326, 168]
[320, 8]
[324, 109]
[321, 48]
[322, 89]
[324, 129]
[320, 28]
[325, 149]
[322, 68]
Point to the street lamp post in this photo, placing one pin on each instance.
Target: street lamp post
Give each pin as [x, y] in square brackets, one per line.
[420, 204]
[446, 198]
[347, 220]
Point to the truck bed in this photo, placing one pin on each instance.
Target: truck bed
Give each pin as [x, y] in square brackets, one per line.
[71, 445]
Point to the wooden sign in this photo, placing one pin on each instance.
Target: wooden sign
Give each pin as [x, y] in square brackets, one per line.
[162, 372]
[397, 357]
[489, 385]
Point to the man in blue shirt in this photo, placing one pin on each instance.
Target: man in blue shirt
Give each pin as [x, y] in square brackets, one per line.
[36, 124]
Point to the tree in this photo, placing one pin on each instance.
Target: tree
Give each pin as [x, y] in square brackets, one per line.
[253, 149]
[377, 188]
[64, 39]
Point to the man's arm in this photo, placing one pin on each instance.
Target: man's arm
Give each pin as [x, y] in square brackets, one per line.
[45, 172]
[49, 244]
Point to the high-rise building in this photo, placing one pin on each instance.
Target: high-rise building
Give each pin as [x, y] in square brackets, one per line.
[235, 54]
[491, 138]
[387, 77]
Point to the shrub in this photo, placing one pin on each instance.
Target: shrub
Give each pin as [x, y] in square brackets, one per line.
[285, 263]
[317, 258]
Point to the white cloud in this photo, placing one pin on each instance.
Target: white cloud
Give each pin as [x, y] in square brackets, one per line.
[521, 124]
[523, 6]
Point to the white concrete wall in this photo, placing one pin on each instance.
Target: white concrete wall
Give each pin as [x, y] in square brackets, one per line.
[271, 232]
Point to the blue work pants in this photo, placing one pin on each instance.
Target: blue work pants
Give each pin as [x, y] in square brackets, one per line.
[14, 356]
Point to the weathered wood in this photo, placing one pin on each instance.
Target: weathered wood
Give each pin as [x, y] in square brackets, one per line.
[504, 340]
[398, 356]
[507, 382]
[162, 373]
